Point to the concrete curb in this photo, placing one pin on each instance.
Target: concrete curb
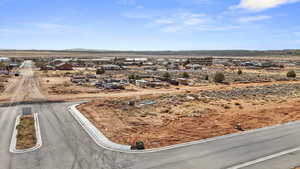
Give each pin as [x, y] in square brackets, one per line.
[96, 135]
[13, 142]
[102, 141]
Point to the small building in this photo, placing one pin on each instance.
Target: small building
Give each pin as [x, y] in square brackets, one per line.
[64, 66]
[150, 68]
[12, 65]
[78, 79]
[47, 67]
[110, 67]
[113, 85]
[177, 61]
[4, 59]
[141, 83]
[59, 61]
[173, 82]
[135, 61]
[183, 81]
[207, 61]
[193, 66]
[173, 66]
[157, 84]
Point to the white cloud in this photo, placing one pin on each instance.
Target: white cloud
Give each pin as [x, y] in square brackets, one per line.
[172, 28]
[126, 2]
[39, 28]
[297, 33]
[181, 21]
[164, 21]
[174, 22]
[136, 15]
[6, 30]
[50, 27]
[47, 25]
[254, 18]
[194, 21]
[259, 5]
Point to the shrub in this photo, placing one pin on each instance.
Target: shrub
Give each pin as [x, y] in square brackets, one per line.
[100, 71]
[219, 77]
[131, 76]
[206, 77]
[166, 75]
[137, 77]
[185, 75]
[134, 77]
[291, 73]
[240, 72]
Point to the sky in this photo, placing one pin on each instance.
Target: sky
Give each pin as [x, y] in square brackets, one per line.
[150, 24]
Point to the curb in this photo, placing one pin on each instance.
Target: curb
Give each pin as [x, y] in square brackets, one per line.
[96, 135]
[104, 142]
[13, 142]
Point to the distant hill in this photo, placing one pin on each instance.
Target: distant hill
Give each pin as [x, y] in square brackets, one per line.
[82, 51]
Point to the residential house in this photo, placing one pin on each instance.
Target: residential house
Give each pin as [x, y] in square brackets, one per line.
[64, 66]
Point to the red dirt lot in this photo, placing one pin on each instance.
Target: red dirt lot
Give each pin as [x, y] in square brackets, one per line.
[179, 120]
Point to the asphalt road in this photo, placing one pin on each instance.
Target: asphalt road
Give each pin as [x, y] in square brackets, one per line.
[67, 146]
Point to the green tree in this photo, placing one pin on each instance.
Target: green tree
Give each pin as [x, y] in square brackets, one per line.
[167, 75]
[185, 75]
[291, 73]
[131, 76]
[240, 72]
[100, 71]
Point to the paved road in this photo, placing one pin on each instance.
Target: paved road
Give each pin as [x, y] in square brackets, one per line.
[67, 146]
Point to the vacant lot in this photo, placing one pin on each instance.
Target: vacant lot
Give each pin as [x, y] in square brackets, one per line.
[177, 118]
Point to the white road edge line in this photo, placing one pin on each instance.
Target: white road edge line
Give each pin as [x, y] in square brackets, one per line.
[93, 132]
[259, 160]
[13, 142]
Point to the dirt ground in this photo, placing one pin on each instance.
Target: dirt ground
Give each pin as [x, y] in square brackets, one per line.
[26, 137]
[4, 80]
[7, 86]
[161, 120]
[58, 83]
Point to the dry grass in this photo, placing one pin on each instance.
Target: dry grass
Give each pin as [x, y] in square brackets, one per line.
[26, 137]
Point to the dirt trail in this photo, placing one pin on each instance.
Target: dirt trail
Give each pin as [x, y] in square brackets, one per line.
[23, 88]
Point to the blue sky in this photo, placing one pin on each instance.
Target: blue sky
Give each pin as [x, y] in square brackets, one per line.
[150, 24]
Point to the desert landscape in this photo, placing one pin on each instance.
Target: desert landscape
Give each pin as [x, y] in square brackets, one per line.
[159, 101]
[175, 102]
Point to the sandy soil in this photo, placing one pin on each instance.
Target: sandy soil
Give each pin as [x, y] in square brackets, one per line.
[8, 85]
[177, 119]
